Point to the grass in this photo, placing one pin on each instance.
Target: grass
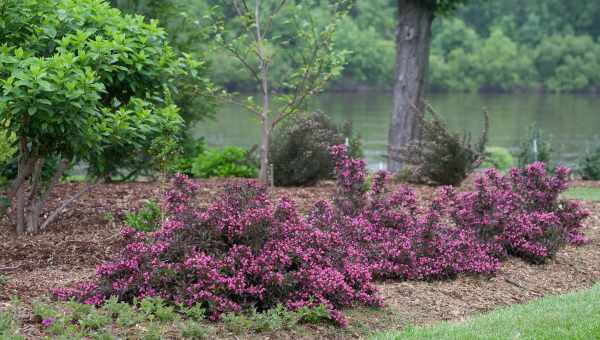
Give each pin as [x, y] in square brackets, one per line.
[570, 316]
[583, 193]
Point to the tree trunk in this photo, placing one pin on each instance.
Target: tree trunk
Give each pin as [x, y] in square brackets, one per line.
[20, 209]
[413, 39]
[266, 100]
[264, 152]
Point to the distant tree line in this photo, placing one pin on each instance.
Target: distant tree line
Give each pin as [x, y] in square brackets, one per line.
[502, 46]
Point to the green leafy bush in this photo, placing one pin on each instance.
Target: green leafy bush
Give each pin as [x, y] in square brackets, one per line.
[589, 166]
[442, 157]
[190, 149]
[147, 219]
[9, 324]
[230, 161]
[7, 153]
[498, 158]
[299, 149]
[534, 148]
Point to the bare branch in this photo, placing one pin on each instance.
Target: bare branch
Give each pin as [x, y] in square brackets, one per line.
[269, 24]
[9, 269]
[66, 203]
[244, 62]
[60, 170]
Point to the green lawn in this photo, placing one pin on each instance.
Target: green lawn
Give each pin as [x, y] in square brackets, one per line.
[582, 193]
[571, 316]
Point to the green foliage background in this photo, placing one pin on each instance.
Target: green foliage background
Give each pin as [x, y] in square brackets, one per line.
[502, 46]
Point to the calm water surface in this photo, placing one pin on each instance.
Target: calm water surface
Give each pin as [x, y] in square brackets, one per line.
[572, 122]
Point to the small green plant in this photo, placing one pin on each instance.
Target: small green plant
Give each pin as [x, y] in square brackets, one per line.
[3, 280]
[78, 311]
[498, 158]
[9, 324]
[94, 320]
[104, 335]
[314, 315]
[536, 147]
[237, 323]
[196, 312]
[275, 319]
[184, 162]
[157, 308]
[147, 219]
[193, 330]
[589, 165]
[230, 161]
[153, 331]
[45, 311]
[124, 314]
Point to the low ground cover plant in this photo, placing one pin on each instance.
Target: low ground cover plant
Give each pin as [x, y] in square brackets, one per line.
[243, 253]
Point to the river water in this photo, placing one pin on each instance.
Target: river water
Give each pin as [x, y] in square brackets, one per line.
[570, 122]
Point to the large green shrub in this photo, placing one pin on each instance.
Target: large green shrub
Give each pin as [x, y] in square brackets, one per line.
[300, 149]
[7, 154]
[184, 161]
[535, 147]
[442, 157]
[80, 81]
[589, 165]
[230, 161]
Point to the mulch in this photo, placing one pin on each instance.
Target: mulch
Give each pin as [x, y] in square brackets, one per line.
[87, 235]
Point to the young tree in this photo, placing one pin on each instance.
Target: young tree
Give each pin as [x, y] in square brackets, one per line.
[413, 39]
[260, 33]
[80, 82]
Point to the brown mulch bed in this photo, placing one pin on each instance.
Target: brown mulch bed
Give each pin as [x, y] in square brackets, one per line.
[87, 235]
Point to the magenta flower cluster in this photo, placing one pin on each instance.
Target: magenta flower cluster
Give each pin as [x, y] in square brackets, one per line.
[244, 252]
[521, 214]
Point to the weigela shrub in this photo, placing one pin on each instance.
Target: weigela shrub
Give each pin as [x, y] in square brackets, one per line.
[243, 253]
[398, 238]
[521, 213]
[239, 253]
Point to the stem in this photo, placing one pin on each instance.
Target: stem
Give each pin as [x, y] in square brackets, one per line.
[25, 167]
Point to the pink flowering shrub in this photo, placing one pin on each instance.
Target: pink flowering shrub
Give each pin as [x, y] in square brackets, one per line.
[239, 253]
[244, 252]
[521, 213]
[400, 239]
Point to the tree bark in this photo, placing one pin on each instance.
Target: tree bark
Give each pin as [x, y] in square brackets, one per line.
[266, 100]
[39, 198]
[413, 40]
